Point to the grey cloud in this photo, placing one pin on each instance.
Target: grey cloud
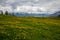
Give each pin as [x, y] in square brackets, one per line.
[49, 5]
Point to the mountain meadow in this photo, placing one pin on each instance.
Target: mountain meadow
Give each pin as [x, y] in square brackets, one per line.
[29, 28]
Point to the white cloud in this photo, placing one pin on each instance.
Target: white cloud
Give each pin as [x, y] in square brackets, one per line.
[30, 9]
[6, 8]
[35, 6]
[10, 1]
[52, 6]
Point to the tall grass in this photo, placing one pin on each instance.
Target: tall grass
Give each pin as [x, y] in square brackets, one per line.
[29, 28]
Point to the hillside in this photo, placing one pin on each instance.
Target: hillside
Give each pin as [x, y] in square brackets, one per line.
[32, 14]
[56, 14]
[29, 28]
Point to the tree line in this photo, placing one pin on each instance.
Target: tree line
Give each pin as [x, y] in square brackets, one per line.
[6, 13]
[11, 14]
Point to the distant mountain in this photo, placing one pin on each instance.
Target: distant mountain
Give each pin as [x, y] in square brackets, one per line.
[31, 14]
[56, 14]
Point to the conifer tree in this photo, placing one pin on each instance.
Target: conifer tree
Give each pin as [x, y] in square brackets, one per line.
[6, 13]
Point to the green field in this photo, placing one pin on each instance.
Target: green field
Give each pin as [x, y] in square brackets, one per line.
[29, 28]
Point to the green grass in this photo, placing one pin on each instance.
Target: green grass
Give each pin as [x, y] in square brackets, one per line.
[29, 28]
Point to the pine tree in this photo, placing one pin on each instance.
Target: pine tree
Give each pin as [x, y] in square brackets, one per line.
[1, 12]
[13, 14]
[58, 15]
[6, 13]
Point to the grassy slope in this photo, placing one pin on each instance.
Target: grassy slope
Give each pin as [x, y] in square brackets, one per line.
[29, 28]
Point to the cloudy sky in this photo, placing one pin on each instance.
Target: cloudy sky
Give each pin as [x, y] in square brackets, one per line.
[34, 6]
